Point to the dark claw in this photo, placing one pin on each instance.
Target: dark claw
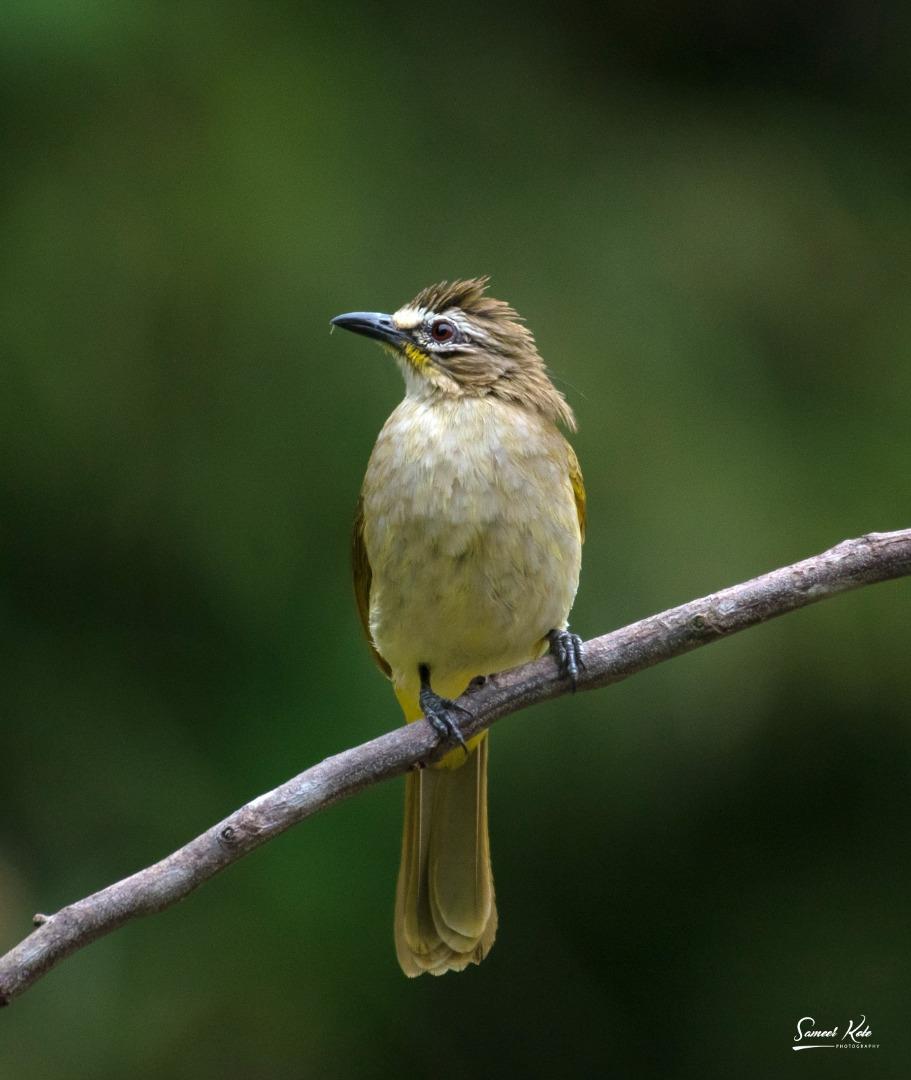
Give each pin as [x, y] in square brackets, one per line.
[438, 711]
[566, 649]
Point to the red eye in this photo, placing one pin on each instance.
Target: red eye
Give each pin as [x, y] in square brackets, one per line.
[442, 330]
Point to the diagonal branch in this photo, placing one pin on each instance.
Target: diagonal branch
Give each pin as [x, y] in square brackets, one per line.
[608, 659]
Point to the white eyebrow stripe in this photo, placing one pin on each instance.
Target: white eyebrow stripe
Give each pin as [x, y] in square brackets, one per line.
[410, 318]
[407, 318]
[471, 330]
[464, 325]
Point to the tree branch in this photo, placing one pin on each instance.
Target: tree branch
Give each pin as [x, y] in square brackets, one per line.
[608, 659]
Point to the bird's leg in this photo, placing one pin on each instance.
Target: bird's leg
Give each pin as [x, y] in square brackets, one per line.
[566, 649]
[436, 710]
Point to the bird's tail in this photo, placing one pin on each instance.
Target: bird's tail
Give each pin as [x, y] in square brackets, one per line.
[445, 912]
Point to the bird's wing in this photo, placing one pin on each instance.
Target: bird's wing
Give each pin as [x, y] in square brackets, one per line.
[363, 576]
[575, 478]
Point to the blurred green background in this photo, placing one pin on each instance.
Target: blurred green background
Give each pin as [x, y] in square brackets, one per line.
[703, 211]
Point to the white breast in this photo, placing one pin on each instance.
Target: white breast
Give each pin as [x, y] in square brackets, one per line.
[472, 535]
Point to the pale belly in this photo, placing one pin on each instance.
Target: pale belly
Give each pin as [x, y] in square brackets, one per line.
[473, 539]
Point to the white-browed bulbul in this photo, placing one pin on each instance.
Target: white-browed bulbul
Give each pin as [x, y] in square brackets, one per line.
[466, 555]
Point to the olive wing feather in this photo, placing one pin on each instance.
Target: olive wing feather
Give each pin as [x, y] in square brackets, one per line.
[363, 576]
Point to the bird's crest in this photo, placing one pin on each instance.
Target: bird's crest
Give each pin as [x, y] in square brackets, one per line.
[467, 296]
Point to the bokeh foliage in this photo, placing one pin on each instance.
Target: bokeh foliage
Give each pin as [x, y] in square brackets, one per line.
[703, 211]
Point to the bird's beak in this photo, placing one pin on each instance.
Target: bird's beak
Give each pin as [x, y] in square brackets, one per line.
[372, 324]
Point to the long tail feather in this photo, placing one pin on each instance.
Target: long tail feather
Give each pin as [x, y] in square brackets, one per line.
[445, 912]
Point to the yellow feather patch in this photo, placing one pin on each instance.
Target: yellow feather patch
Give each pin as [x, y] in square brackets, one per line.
[420, 361]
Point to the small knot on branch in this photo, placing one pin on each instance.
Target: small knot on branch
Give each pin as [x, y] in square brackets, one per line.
[228, 837]
[704, 623]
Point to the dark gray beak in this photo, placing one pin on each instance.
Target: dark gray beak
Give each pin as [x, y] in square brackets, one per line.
[373, 324]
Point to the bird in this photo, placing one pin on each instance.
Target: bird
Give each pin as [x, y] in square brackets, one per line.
[466, 554]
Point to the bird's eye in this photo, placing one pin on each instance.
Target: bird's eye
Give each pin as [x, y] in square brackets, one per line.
[442, 330]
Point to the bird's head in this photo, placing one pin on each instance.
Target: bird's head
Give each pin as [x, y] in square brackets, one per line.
[452, 340]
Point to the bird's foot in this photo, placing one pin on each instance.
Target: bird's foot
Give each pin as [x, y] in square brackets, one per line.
[438, 711]
[566, 649]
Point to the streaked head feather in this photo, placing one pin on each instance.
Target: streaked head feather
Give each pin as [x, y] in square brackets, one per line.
[499, 356]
